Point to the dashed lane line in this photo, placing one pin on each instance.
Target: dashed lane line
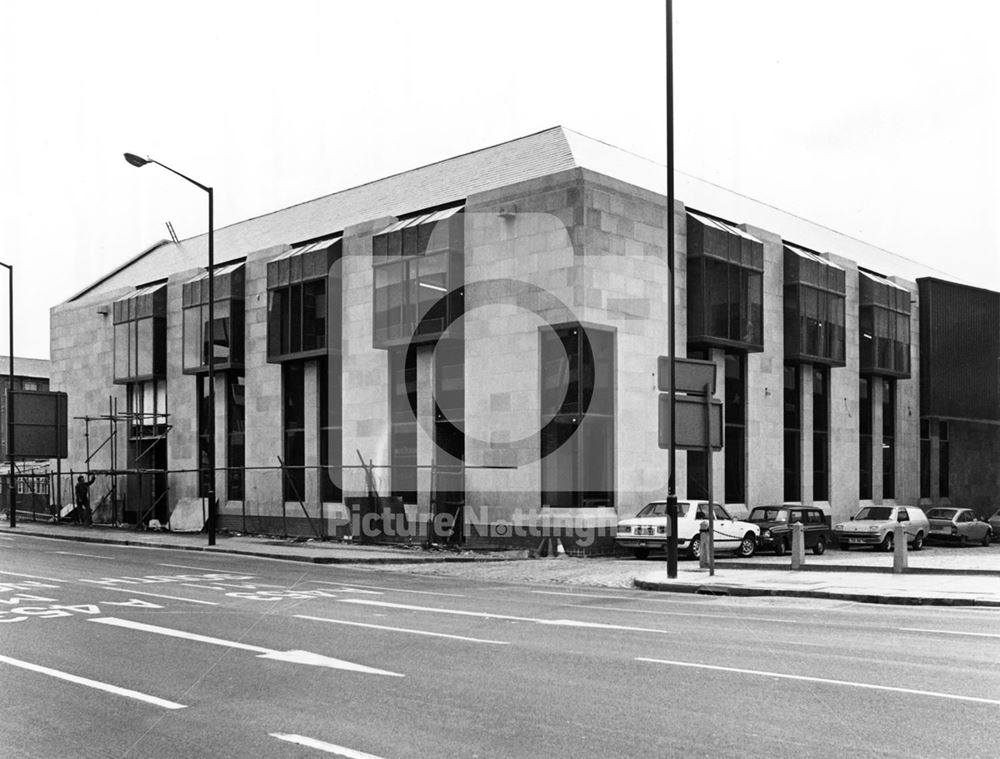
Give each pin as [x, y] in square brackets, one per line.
[86, 681]
[823, 680]
[132, 592]
[394, 590]
[403, 630]
[330, 748]
[950, 632]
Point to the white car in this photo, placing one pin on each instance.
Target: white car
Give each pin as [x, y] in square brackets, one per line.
[647, 530]
[873, 525]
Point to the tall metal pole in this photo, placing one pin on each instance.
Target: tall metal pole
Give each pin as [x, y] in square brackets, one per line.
[672, 348]
[211, 368]
[10, 395]
[135, 160]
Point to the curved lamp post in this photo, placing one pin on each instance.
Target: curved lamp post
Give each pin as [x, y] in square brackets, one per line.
[137, 161]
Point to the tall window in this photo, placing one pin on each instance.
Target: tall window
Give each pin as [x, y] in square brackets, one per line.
[403, 426]
[888, 438]
[577, 419]
[944, 465]
[725, 286]
[294, 425]
[925, 458]
[204, 456]
[235, 435]
[865, 446]
[821, 434]
[418, 264]
[449, 418]
[793, 434]
[736, 429]
[140, 334]
[330, 429]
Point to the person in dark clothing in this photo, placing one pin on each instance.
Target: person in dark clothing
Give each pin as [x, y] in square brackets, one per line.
[83, 515]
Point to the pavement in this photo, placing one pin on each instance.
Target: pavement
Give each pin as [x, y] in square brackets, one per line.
[938, 575]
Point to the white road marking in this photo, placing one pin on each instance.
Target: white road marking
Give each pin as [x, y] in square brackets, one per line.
[721, 617]
[487, 615]
[92, 683]
[950, 632]
[31, 577]
[330, 748]
[186, 566]
[848, 683]
[132, 592]
[403, 629]
[575, 595]
[295, 657]
[393, 590]
[84, 555]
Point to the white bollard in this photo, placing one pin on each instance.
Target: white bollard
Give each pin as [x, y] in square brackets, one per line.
[899, 556]
[703, 541]
[798, 545]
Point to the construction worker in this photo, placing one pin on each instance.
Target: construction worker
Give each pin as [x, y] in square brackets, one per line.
[83, 515]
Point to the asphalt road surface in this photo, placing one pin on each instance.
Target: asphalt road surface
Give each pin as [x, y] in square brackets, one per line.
[117, 651]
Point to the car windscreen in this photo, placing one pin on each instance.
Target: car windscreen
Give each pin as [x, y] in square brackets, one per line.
[769, 514]
[875, 512]
[659, 509]
[942, 513]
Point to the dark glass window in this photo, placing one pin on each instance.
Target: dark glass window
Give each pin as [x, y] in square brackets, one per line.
[821, 434]
[294, 428]
[140, 335]
[204, 450]
[793, 434]
[418, 264]
[578, 437]
[449, 421]
[865, 447]
[884, 327]
[735, 432]
[925, 458]
[888, 438]
[224, 339]
[814, 306]
[235, 435]
[330, 429]
[147, 408]
[403, 426]
[304, 302]
[725, 286]
[944, 466]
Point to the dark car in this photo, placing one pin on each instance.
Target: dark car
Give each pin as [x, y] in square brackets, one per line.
[776, 522]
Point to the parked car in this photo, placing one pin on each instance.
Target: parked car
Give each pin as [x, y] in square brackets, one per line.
[994, 522]
[960, 526]
[647, 530]
[873, 525]
[776, 522]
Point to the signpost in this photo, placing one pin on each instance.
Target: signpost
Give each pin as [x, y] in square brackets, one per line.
[696, 426]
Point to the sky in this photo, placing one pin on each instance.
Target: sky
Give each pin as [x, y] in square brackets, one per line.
[879, 119]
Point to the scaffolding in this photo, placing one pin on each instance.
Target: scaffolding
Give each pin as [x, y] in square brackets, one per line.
[154, 427]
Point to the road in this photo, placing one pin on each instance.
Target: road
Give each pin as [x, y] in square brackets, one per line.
[117, 651]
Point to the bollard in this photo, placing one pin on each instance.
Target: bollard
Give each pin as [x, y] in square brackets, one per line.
[798, 545]
[703, 542]
[899, 559]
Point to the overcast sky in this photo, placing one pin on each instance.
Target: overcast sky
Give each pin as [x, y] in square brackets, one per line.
[877, 118]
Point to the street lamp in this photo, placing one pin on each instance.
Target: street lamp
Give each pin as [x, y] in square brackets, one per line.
[10, 399]
[137, 161]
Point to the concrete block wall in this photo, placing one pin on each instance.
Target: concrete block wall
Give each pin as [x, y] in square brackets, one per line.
[845, 406]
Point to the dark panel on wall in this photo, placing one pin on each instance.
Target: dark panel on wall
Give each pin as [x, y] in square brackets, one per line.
[959, 351]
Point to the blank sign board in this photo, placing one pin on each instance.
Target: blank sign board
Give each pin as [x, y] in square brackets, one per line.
[695, 429]
[38, 425]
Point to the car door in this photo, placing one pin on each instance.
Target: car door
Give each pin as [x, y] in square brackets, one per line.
[903, 517]
[798, 515]
[725, 528]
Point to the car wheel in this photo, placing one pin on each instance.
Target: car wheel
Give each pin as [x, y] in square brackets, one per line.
[747, 546]
[918, 542]
[694, 550]
[820, 548]
[641, 553]
[887, 543]
[987, 538]
[780, 546]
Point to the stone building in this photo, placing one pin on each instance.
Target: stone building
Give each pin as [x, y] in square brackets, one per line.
[477, 338]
